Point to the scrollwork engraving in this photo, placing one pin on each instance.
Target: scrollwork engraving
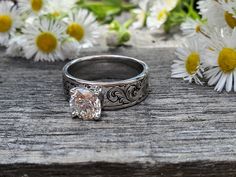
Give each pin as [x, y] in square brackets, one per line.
[127, 94]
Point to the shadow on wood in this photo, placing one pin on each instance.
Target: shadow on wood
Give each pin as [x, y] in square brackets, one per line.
[196, 169]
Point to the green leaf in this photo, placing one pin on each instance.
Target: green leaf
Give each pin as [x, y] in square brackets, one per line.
[183, 10]
[120, 3]
[105, 10]
[117, 3]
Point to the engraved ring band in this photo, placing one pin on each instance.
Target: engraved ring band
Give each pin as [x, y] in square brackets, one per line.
[104, 82]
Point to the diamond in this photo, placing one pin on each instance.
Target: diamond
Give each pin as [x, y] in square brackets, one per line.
[85, 103]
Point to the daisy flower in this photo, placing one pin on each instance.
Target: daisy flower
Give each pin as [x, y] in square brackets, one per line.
[70, 48]
[191, 27]
[9, 21]
[43, 39]
[83, 27]
[31, 7]
[229, 13]
[158, 16]
[14, 47]
[141, 14]
[60, 7]
[221, 61]
[188, 65]
[218, 13]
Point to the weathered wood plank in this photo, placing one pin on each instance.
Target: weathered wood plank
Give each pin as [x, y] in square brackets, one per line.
[196, 169]
[181, 125]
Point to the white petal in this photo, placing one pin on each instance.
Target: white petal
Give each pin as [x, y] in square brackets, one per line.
[235, 81]
[221, 83]
[229, 82]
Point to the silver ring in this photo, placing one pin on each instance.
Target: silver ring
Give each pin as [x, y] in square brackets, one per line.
[118, 81]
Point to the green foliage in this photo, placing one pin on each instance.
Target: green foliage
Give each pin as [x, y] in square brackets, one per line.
[106, 10]
[184, 9]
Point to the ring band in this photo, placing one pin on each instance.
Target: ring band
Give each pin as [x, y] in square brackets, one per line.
[123, 80]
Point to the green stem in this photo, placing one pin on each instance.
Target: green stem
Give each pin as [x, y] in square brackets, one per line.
[128, 23]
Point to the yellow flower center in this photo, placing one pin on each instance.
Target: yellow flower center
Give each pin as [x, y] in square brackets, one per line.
[36, 5]
[192, 63]
[46, 42]
[75, 30]
[5, 23]
[230, 20]
[198, 29]
[56, 14]
[162, 14]
[227, 60]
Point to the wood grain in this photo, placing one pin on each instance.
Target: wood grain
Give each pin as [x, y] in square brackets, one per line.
[179, 130]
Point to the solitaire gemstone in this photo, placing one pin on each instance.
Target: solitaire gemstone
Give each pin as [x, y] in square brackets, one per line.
[85, 104]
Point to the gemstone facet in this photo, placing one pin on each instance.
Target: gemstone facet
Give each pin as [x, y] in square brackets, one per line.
[85, 103]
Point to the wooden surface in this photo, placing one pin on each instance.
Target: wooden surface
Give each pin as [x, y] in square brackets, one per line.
[179, 130]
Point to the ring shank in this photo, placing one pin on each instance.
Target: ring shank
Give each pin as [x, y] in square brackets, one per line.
[124, 80]
[106, 69]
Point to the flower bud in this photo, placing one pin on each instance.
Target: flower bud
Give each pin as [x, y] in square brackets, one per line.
[125, 37]
[112, 39]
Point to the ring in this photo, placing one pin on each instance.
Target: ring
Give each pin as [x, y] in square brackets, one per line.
[104, 82]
